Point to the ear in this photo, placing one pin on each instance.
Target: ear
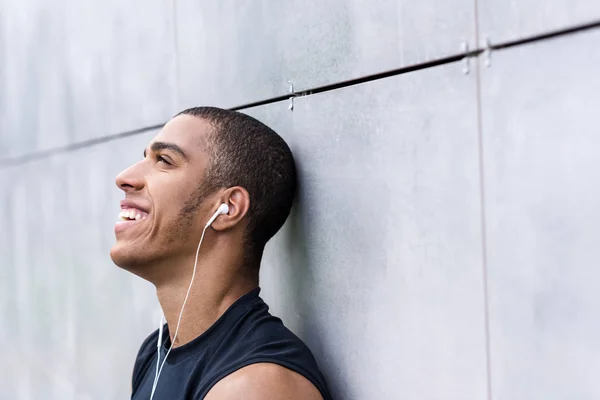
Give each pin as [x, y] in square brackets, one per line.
[238, 200]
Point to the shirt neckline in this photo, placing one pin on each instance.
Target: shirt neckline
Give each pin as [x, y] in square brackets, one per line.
[233, 313]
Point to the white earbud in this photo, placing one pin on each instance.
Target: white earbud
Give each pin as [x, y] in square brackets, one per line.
[223, 209]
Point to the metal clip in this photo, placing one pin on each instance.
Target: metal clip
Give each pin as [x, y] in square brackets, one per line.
[464, 45]
[291, 99]
[487, 52]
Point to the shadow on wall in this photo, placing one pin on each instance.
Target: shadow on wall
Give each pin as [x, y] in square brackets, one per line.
[296, 265]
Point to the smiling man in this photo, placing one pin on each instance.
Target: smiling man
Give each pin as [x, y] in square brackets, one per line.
[227, 345]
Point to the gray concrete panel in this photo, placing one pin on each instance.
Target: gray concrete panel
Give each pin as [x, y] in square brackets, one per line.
[233, 53]
[503, 21]
[76, 320]
[7, 302]
[379, 267]
[541, 146]
[74, 70]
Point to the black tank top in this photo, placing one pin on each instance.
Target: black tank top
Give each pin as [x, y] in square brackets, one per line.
[245, 334]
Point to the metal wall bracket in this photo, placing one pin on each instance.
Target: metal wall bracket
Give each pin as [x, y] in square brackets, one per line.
[487, 52]
[291, 99]
[464, 46]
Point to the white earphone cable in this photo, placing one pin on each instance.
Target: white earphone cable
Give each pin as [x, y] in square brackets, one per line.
[158, 345]
[155, 384]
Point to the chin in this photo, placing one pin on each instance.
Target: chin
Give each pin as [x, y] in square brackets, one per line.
[125, 257]
[133, 259]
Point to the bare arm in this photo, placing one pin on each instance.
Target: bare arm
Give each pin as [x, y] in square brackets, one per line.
[264, 381]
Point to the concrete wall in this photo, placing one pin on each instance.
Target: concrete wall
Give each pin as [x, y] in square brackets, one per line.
[443, 245]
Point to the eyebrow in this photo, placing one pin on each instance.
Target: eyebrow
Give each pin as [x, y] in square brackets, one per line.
[158, 146]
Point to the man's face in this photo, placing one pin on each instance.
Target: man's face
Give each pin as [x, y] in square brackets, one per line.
[163, 206]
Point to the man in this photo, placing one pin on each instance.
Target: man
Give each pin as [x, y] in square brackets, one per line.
[227, 344]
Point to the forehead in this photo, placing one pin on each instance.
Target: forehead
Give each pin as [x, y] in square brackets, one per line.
[186, 131]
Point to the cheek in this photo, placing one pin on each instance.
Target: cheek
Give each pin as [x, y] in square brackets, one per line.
[175, 215]
[175, 204]
[168, 197]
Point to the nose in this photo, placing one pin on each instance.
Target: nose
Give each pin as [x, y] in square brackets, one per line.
[131, 179]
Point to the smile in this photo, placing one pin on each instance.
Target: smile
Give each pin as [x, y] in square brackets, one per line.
[131, 214]
[129, 217]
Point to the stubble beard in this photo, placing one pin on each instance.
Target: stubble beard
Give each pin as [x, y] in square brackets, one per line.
[182, 227]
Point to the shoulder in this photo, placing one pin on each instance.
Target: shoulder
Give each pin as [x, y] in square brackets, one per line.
[264, 380]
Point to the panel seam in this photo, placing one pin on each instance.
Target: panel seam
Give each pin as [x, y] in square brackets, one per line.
[483, 226]
[176, 51]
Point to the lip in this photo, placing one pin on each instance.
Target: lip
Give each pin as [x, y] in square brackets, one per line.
[127, 203]
[120, 226]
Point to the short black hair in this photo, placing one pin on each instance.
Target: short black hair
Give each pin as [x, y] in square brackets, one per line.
[245, 152]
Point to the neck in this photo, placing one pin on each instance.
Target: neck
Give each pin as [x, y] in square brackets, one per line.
[218, 283]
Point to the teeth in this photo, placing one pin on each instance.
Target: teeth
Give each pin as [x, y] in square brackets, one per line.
[131, 214]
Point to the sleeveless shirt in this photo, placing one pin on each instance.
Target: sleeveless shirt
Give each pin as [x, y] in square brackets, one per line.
[245, 334]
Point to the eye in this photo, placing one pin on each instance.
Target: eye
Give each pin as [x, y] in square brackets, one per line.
[162, 159]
